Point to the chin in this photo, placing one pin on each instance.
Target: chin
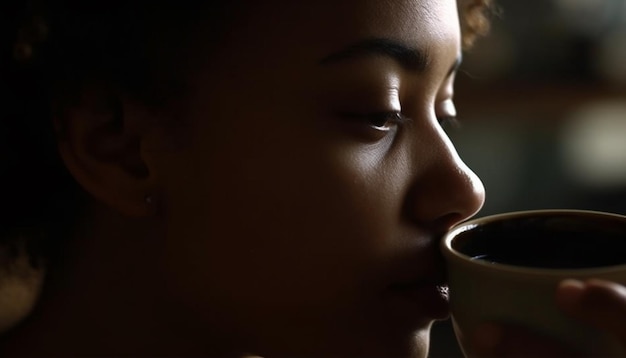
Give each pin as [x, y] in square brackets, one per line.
[396, 340]
[382, 345]
[412, 345]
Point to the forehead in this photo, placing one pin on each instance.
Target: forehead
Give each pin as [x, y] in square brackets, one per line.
[331, 23]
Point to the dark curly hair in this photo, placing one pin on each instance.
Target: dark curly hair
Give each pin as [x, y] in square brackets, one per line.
[475, 21]
[50, 48]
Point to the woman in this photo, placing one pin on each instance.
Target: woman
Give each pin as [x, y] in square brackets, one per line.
[234, 178]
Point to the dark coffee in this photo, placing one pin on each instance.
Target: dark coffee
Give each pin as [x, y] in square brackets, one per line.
[557, 241]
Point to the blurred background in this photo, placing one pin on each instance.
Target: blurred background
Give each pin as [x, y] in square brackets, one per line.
[542, 105]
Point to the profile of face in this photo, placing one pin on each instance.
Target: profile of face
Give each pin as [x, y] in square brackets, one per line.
[301, 206]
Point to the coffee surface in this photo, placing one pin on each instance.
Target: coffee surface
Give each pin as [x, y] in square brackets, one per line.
[548, 241]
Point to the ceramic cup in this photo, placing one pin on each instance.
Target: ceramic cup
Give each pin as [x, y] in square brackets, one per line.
[506, 268]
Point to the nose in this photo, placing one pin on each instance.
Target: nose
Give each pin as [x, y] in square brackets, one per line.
[445, 191]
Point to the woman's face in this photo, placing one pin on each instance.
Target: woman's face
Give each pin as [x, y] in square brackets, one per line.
[303, 205]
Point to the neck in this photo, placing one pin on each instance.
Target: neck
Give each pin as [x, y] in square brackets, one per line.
[105, 297]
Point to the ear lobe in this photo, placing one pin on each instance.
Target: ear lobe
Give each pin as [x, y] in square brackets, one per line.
[101, 147]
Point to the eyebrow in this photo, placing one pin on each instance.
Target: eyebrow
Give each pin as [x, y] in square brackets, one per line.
[410, 58]
[456, 65]
[413, 59]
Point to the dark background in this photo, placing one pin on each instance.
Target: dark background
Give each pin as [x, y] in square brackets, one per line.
[542, 102]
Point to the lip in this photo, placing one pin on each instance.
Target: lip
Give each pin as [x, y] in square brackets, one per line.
[415, 287]
[420, 301]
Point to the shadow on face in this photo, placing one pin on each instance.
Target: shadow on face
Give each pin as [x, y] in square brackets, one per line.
[298, 185]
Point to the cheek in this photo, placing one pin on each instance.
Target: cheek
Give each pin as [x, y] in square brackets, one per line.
[284, 211]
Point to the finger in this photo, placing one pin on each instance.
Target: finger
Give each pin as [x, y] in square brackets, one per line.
[599, 303]
[503, 340]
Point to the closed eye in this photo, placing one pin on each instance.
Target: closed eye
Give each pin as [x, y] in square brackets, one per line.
[383, 121]
[449, 122]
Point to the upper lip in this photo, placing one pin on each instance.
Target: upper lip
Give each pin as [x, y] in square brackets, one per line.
[417, 283]
[439, 281]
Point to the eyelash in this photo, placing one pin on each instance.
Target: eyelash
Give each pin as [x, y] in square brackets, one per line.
[449, 122]
[384, 120]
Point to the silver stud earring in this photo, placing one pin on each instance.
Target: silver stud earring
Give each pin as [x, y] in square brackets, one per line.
[149, 200]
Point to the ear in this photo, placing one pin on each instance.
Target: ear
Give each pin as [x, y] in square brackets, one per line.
[100, 139]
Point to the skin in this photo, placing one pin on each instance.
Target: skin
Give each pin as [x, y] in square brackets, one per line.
[284, 213]
[284, 209]
[334, 211]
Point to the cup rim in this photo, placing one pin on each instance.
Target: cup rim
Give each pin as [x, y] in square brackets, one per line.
[450, 253]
